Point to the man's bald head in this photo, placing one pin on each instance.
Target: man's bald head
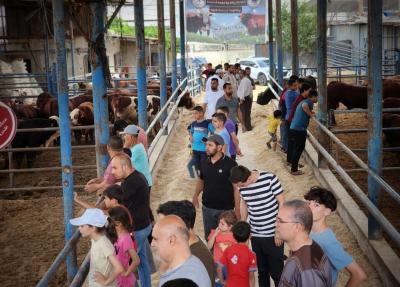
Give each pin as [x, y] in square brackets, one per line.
[173, 225]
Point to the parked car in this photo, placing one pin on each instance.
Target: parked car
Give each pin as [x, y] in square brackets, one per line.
[259, 68]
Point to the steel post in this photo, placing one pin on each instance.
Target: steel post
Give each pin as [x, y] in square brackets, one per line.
[279, 45]
[54, 91]
[322, 74]
[71, 29]
[271, 40]
[46, 54]
[100, 101]
[161, 56]
[141, 64]
[172, 24]
[65, 131]
[182, 40]
[295, 41]
[374, 108]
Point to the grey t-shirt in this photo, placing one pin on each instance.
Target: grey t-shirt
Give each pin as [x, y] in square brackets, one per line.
[192, 269]
[232, 104]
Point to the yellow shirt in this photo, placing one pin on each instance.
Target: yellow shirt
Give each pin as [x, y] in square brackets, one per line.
[273, 124]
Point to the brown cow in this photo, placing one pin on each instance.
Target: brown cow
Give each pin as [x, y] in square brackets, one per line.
[48, 106]
[391, 103]
[392, 136]
[26, 111]
[77, 100]
[83, 116]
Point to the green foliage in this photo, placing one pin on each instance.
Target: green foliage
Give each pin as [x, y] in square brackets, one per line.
[307, 27]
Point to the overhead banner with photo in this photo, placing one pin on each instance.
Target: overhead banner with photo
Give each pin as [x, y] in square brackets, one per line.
[226, 21]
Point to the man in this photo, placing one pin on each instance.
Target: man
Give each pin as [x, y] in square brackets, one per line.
[136, 197]
[322, 203]
[298, 130]
[290, 96]
[307, 264]
[120, 125]
[207, 71]
[261, 196]
[248, 73]
[171, 241]
[234, 148]
[218, 121]
[114, 147]
[226, 67]
[245, 92]
[228, 100]
[139, 156]
[236, 71]
[218, 75]
[187, 212]
[218, 194]
[229, 77]
[211, 98]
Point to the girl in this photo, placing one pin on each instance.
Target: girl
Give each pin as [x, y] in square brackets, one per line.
[118, 232]
[104, 265]
[222, 237]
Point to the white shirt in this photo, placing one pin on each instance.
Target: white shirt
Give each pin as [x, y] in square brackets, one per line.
[220, 83]
[211, 101]
[245, 88]
[230, 78]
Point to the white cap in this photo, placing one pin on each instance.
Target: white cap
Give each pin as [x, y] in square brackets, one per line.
[218, 71]
[131, 130]
[91, 216]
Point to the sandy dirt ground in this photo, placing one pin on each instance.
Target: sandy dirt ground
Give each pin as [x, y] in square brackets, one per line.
[31, 229]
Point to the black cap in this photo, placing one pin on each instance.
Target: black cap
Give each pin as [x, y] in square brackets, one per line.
[217, 139]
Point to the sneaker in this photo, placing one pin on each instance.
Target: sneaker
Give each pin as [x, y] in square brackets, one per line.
[297, 172]
[269, 145]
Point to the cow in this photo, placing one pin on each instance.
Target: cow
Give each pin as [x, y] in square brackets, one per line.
[83, 116]
[26, 111]
[265, 97]
[255, 23]
[74, 102]
[198, 22]
[31, 139]
[48, 106]
[390, 120]
[391, 103]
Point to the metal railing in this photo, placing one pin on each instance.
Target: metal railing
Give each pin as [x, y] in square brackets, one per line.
[374, 211]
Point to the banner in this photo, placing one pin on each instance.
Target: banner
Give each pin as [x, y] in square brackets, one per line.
[226, 21]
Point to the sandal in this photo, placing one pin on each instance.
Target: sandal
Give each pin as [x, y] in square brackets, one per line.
[297, 172]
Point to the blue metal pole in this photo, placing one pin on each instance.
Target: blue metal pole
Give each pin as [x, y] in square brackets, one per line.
[374, 108]
[279, 45]
[161, 57]
[271, 40]
[54, 91]
[182, 40]
[46, 56]
[295, 41]
[100, 101]
[172, 24]
[65, 131]
[141, 64]
[71, 29]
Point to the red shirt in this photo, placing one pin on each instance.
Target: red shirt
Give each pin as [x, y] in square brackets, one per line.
[222, 241]
[294, 106]
[239, 260]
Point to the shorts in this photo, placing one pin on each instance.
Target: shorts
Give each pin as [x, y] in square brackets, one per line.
[274, 138]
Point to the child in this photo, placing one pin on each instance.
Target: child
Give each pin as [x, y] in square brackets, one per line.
[104, 265]
[322, 203]
[222, 237]
[274, 121]
[239, 260]
[218, 121]
[112, 198]
[198, 129]
[119, 233]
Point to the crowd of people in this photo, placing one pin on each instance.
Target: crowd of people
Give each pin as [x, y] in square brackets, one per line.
[247, 220]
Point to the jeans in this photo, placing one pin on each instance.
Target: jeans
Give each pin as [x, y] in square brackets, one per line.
[269, 260]
[299, 143]
[284, 136]
[144, 267]
[291, 144]
[210, 219]
[197, 157]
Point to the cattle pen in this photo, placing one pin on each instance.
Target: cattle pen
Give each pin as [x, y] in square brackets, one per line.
[360, 207]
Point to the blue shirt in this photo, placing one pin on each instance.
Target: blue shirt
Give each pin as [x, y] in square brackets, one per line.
[301, 119]
[198, 131]
[227, 139]
[333, 249]
[140, 162]
[290, 97]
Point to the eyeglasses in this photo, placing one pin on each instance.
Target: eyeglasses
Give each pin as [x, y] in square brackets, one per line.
[280, 221]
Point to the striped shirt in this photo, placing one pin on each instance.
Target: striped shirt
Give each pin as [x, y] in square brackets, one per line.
[262, 205]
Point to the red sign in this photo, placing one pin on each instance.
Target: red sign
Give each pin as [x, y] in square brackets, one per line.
[8, 125]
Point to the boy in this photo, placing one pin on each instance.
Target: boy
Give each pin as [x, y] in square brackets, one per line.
[239, 260]
[274, 121]
[234, 148]
[322, 203]
[218, 121]
[290, 96]
[198, 129]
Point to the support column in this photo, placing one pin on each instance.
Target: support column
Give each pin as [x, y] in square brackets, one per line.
[271, 40]
[295, 41]
[322, 77]
[279, 45]
[374, 108]
[65, 131]
[172, 24]
[161, 57]
[100, 101]
[182, 40]
[141, 64]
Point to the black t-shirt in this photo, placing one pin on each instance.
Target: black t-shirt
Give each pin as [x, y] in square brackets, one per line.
[218, 190]
[136, 197]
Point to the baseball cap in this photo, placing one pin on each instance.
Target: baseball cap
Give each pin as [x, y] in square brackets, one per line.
[91, 216]
[218, 71]
[131, 130]
[214, 138]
